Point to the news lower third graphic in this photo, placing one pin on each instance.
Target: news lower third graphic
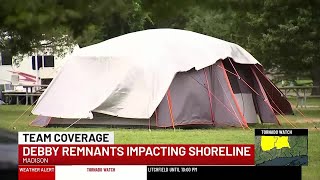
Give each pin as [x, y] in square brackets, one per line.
[281, 147]
[93, 155]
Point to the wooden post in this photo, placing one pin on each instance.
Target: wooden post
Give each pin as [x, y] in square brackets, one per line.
[26, 95]
[305, 98]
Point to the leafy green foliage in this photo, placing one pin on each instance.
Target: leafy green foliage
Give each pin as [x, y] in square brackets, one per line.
[288, 40]
[282, 35]
[25, 25]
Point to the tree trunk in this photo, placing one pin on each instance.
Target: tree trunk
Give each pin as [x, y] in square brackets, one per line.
[316, 80]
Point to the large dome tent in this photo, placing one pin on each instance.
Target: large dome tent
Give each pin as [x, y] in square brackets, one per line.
[161, 78]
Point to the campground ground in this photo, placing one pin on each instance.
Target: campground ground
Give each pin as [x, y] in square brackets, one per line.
[11, 118]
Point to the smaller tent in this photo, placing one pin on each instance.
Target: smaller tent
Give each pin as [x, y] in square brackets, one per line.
[161, 78]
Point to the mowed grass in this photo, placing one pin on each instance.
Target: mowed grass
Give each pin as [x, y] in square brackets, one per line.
[12, 118]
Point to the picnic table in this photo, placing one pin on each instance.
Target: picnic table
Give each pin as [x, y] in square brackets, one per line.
[30, 91]
[301, 99]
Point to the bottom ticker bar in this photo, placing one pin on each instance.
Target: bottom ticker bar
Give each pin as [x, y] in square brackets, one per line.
[160, 172]
[225, 172]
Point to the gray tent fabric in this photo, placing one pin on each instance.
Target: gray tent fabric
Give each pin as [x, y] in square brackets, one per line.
[191, 100]
[267, 115]
[246, 103]
[41, 121]
[276, 98]
[99, 120]
[244, 94]
[253, 86]
[223, 94]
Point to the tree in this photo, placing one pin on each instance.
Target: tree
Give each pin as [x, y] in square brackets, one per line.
[288, 40]
[282, 35]
[131, 17]
[24, 25]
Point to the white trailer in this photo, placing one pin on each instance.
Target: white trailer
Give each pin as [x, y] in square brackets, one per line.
[26, 72]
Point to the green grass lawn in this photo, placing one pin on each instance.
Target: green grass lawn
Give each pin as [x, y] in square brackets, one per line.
[9, 115]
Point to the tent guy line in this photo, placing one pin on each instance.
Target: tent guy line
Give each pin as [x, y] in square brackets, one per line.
[290, 104]
[234, 114]
[72, 124]
[280, 113]
[12, 124]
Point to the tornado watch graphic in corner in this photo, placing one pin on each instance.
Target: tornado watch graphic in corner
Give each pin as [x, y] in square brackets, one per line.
[281, 147]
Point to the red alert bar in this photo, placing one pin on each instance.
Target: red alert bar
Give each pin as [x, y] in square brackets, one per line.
[160, 154]
[36, 172]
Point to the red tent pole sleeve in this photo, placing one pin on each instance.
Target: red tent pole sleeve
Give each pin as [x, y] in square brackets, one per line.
[216, 98]
[234, 97]
[170, 107]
